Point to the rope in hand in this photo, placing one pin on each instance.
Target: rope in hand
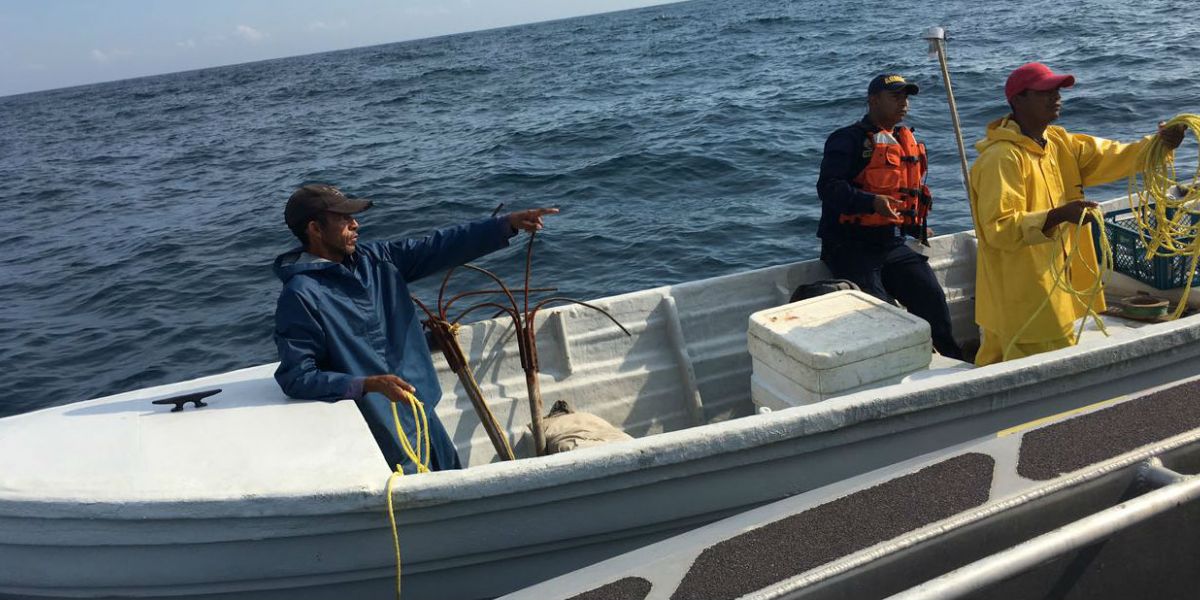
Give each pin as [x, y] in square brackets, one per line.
[1062, 277]
[1164, 221]
[421, 451]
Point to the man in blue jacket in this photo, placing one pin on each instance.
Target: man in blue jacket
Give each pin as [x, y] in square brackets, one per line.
[345, 325]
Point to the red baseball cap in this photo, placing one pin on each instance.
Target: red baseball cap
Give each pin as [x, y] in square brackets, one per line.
[1037, 77]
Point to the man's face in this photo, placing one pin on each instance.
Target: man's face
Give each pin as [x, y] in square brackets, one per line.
[889, 106]
[338, 233]
[1041, 107]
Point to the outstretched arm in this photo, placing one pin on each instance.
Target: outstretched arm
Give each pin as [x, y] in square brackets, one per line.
[1102, 161]
[458, 244]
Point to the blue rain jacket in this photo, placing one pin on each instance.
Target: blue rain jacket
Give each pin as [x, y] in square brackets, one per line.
[336, 323]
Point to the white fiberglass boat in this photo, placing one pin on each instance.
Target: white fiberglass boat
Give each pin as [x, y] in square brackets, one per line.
[259, 496]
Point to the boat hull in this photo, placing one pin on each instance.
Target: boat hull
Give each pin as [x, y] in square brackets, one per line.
[305, 521]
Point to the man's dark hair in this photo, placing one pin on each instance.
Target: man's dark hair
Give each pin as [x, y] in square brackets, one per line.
[301, 232]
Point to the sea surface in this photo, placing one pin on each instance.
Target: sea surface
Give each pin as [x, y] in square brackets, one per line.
[140, 218]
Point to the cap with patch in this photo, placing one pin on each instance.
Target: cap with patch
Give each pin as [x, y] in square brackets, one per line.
[892, 82]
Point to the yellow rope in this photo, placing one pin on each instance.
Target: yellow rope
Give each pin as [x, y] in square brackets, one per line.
[421, 424]
[1062, 278]
[1165, 223]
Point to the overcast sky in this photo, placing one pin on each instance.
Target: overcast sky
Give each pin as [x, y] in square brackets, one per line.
[47, 44]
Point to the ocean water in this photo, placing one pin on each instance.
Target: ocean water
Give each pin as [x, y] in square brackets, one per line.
[140, 217]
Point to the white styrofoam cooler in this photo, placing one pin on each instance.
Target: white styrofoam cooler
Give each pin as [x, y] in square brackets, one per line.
[832, 345]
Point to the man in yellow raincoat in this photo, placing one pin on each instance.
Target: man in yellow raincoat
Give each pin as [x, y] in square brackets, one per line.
[1027, 194]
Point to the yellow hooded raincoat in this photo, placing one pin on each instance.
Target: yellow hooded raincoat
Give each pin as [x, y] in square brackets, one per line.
[1014, 183]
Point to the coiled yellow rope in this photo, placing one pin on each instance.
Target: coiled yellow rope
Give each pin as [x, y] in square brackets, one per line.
[1164, 222]
[1062, 278]
[419, 456]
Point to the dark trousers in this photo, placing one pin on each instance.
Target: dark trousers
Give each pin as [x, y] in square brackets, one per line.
[894, 271]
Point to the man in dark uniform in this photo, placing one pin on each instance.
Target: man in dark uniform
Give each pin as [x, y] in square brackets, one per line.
[873, 195]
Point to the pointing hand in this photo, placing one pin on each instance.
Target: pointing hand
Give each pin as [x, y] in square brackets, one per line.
[530, 220]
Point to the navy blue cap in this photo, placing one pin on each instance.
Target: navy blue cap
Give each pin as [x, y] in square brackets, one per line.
[892, 83]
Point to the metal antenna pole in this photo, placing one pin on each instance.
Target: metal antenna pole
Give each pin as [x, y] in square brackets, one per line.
[937, 47]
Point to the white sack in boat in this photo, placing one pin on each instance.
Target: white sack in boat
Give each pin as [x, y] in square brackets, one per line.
[566, 429]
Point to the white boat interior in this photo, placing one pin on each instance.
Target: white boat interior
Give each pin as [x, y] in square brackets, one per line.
[259, 496]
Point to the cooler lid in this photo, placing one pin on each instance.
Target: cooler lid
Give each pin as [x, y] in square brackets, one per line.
[838, 329]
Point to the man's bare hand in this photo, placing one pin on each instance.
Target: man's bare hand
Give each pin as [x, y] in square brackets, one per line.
[530, 220]
[389, 385]
[1171, 136]
[1070, 212]
[886, 206]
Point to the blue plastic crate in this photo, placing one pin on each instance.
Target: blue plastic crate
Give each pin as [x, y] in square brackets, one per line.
[1129, 254]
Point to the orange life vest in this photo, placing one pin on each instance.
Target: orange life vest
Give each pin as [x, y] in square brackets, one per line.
[897, 169]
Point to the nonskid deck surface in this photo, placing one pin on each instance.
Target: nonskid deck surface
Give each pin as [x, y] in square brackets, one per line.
[795, 544]
[730, 559]
[1070, 445]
